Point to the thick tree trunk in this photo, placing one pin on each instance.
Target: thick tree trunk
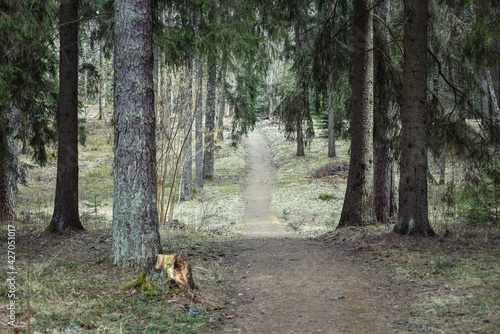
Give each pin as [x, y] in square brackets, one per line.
[383, 132]
[198, 179]
[136, 239]
[9, 166]
[413, 207]
[66, 200]
[208, 156]
[222, 106]
[187, 165]
[358, 209]
[331, 117]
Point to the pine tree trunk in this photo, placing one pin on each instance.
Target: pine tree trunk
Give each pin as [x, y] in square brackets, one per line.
[331, 115]
[198, 179]
[187, 165]
[222, 106]
[358, 208]
[485, 105]
[331, 95]
[383, 132]
[101, 86]
[136, 238]
[66, 200]
[9, 166]
[413, 207]
[298, 89]
[208, 156]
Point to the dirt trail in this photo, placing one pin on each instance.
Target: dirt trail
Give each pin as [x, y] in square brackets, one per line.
[287, 284]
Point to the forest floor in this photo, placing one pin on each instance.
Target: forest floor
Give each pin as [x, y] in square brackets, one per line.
[262, 242]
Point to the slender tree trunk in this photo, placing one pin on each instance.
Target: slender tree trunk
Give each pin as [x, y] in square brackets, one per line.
[299, 89]
[187, 166]
[491, 87]
[413, 207]
[198, 179]
[208, 157]
[222, 106]
[358, 209]
[383, 132]
[442, 165]
[331, 115]
[101, 86]
[485, 105]
[66, 200]
[136, 238]
[331, 96]
[9, 166]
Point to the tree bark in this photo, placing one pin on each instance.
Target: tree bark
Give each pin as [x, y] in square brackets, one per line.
[9, 165]
[383, 121]
[331, 116]
[413, 207]
[222, 106]
[299, 89]
[136, 238]
[358, 208]
[208, 156]
[198, 179]
[187, 165]
[66, 200]
[331, 96]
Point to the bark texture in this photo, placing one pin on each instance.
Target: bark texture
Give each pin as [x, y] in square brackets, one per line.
[66, 200]
[331, 96]
[299, 89]
[198, 179]
[187, 165]
[136, 239]
[208, 156]
[358, 208]
[9, 164]
[383, 121]
[413, 209]
[331, 116]
[222, 106]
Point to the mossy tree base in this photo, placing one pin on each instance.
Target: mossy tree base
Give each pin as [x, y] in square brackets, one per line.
[171, 275]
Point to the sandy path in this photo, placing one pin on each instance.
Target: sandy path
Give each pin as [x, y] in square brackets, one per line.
[287, 284]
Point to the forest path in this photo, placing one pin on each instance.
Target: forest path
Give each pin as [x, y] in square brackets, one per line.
[287, 284]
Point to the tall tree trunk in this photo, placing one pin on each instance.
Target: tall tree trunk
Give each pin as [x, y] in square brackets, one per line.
[9, 165]
[136, 239]
[66, 200]
[331, 95]
[101, 86]
[413, 207]
[383, 132]
[222, 106]
[331, 116]
[198, 178]
[208, 156]
[358, 208]
[299, 89]
[485, 105]
[187, 165]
